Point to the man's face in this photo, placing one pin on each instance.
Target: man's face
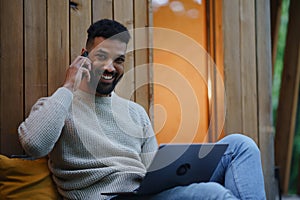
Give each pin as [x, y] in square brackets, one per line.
[108, 57]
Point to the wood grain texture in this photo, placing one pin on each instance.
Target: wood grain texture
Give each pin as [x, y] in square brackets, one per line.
[232, 66]
[248, 69]
[35, 50]
[141, 40]
[123, 12]
[58, 42]
[264, 91]
[11, 62]
[102, 9]
[80, 20]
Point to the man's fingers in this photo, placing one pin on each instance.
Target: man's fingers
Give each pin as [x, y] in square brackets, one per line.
[86, 73]
[81, 61]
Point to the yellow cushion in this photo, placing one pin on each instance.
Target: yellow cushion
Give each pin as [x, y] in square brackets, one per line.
[26, 179]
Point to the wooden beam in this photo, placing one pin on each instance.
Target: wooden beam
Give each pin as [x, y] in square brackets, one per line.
[11, 75]
[102, 9]
[232, 66]
[123, 12]
[58, 42]
[264, 94]
[35, 48]
[80, 20]
[240, 67]
[286, 113]
[248, 69]
[141, 39]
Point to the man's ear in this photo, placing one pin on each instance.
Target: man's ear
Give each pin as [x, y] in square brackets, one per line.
[83, 50]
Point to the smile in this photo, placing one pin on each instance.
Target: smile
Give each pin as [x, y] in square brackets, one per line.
[107, 77]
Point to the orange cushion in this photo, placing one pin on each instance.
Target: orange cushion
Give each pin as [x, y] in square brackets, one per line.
[26, 179]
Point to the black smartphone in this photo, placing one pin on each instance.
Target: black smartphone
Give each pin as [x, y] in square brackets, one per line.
[85, 54]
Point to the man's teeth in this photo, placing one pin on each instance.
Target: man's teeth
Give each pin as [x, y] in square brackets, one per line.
[107, 77]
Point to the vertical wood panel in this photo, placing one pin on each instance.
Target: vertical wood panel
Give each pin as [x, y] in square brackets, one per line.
[141, 55]
[102, 9]
[35, 52]
[264, 90]
[123, 12]
[231, 21]
[248, 68]
[216, 74]
[151, 71]
[287, 107]
[11, 63]
[219, 60]
[81, 18]
[58, 43]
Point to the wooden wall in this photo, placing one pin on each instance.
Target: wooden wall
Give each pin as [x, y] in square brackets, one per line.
[248, 77]
[39, 39]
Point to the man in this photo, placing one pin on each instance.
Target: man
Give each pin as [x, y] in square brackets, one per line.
[99, 142]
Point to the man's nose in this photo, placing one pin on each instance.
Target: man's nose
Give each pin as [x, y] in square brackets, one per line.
[109, 66]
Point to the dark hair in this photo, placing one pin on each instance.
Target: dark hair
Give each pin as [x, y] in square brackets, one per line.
[107, 28]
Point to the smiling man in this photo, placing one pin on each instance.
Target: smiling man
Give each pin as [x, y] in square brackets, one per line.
[99, 142]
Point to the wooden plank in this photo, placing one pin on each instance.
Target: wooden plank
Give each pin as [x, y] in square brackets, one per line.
[80, 19]
[248, 69]
[264, 85]
[286, 113]
[11, 76]
[102, 9]
[232, 80]
[58, 42]
[141, 40]
[219, 60]
[123, 12]
[210, 20]
[217, 113]
[151, 72]
[35, 52]
[219, 46]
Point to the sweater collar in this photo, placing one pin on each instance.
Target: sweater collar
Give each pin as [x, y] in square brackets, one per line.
[90, 98]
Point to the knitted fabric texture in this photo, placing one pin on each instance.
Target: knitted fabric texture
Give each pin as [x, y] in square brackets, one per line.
[95, 144]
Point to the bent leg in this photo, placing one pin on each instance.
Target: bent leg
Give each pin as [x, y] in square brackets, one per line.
[240, 168]
[196, 191]
[207, 191]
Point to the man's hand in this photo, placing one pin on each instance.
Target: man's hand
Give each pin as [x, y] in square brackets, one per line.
[78, 70]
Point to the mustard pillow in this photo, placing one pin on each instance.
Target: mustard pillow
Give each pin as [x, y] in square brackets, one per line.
[26, 179]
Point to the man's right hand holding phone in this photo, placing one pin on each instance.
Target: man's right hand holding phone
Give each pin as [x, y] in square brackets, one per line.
[78, 71]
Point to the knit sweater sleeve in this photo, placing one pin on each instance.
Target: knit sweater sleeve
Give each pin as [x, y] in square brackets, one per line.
[149, 146]
[40, 131]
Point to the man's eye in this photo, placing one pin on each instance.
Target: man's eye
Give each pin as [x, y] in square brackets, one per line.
[101, 57]
[119, 60]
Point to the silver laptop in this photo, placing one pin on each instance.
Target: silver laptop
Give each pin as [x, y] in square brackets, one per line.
[179, 165]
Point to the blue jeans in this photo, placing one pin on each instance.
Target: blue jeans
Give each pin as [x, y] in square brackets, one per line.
[238, 176]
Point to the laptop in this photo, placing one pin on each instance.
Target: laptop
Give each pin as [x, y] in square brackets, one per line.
[178, 165]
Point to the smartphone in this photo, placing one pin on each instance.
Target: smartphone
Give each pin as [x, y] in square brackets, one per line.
[85, 54]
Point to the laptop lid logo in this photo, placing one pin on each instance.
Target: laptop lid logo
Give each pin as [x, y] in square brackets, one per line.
[183, 169]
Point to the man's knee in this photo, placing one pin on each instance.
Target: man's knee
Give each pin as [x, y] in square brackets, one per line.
[242, 142]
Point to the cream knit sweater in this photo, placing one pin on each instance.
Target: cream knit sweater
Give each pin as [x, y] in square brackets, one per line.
[95, 144]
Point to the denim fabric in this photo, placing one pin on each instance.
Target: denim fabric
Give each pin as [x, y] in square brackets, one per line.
[238, 176]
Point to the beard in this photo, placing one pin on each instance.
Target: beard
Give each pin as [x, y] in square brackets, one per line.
[103, 88]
